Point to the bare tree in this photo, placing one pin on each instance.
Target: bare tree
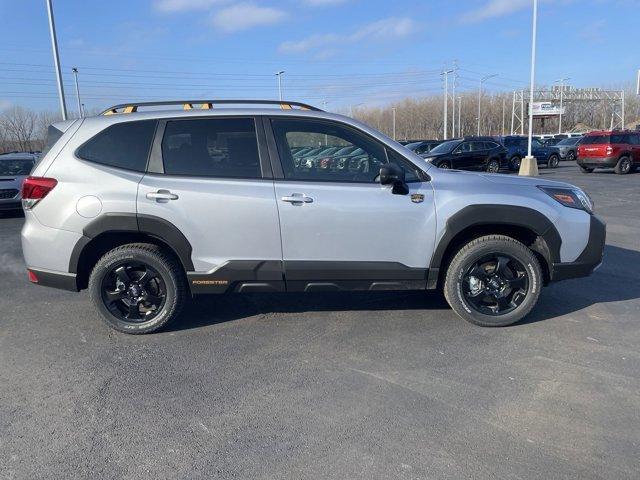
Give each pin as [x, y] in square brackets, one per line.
[19, 125]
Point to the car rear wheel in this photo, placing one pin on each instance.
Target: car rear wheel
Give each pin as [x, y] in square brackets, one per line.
[138, 288]
[623, 166]
[445, 165]
[493, 166]
[553, 161]
[493, 281]
[571, 156]
[514, 163]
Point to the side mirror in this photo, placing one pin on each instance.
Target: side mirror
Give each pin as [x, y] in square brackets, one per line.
[392, 174]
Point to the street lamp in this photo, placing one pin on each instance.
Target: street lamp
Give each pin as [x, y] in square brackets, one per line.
[529, 165]
[446, 98]
[561, 81]
[56, 60]
[482, 80]
[279, 75]
[393, 111]
[75, 77]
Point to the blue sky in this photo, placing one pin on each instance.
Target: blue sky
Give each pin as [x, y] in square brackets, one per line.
[344, 52]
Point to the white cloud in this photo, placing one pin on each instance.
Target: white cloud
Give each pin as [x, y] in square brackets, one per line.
[495, 8]
[172, 6]
[390, 28]
[243, 16]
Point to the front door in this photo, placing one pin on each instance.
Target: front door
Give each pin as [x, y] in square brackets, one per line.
[340, 228]
[211, 185]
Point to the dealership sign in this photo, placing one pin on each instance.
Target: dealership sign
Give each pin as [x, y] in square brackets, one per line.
[543, 109]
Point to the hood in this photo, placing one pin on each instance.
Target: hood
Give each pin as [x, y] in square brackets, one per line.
[524, 181]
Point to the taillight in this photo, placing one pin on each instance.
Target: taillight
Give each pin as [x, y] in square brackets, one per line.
[35, 189]
[32, 277]
[609, 150]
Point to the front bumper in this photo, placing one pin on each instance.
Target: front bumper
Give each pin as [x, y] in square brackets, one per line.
[597, 162]
[589, 259]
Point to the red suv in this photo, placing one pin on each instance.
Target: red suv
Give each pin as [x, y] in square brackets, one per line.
[619, 149]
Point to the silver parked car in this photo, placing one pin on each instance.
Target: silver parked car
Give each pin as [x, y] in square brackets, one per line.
[144, 208]
[14, 168]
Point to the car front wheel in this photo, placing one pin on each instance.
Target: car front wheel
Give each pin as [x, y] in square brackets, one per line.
[623, 166]
[553, 161]
[138, 288]
[493, 166]
[493, 281]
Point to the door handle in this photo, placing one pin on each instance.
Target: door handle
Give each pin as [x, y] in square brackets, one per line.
[297, 198]
[162, 196]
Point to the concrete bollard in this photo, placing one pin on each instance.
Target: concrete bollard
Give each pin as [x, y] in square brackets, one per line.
[529, 167]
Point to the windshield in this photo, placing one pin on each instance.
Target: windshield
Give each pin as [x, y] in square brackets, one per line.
[15, 167]
[445, 147]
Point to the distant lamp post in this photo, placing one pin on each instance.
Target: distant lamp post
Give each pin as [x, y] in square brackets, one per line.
[482, 80]
[75, 77]
[446, 100]
[56, 60]
[561, 81]
[393, 112]
[529, 165]
[279, 75]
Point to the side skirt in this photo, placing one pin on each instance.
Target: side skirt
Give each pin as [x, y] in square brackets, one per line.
[244, 276]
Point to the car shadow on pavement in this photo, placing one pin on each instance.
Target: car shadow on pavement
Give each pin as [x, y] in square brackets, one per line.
[618, 279]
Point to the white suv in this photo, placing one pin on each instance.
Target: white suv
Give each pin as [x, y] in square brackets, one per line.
[146, 207]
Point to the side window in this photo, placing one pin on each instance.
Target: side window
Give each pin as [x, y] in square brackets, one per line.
[463, 148]
[635, 138]
[213, 147]
[123, 145]
[334, 153]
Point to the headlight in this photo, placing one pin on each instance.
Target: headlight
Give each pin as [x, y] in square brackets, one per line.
[569, 197]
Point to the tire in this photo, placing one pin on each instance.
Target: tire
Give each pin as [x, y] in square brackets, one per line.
[445, 166]
[521, 268]
[571, 156]
[138, 288]
[493, 165]
[586, 169]
[514, 163]
[553, 161]
[623, 166]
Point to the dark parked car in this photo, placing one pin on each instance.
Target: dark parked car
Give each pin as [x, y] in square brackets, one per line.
[568, 148]
[471, 153]
[14, 168]
[616, 149]
[423, 147]
[517, 149]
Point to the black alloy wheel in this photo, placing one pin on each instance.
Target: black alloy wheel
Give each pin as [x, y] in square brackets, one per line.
[445, 165]
[553, 161]
[571, 156]
[133, 292]
[495, 284]
[493, 166]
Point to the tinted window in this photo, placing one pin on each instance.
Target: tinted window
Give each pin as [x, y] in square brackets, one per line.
[568, 141]
[123, 145]
[445, 147]
[619, 138]
[511, 142]
[595, 140]
[635, 138]
[15, 166]
[325, 163]
[215, 147]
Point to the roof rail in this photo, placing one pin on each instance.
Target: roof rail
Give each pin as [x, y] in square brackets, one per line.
[205, 105]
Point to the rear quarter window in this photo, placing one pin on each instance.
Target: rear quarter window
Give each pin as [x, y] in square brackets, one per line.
[595, 140]
[122, 145]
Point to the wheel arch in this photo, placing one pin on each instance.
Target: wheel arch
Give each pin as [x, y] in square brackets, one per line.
[114, 229]
[524, 224]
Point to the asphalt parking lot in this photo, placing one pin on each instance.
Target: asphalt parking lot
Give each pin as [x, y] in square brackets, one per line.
[331, 386]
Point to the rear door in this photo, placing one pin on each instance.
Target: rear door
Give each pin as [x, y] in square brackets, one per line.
[211, 178]
[340, 228]
[462, 156]
[635, 147]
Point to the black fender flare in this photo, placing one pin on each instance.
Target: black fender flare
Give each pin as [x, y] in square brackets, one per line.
[504, 215]
[150, 225]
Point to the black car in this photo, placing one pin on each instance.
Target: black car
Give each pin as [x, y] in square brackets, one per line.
[423, 147]
[517, 147]
[470, 153]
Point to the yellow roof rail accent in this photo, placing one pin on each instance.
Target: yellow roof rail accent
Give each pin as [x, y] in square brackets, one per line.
[130, 109]
[187, 106]
[285, 106]
[206, 105]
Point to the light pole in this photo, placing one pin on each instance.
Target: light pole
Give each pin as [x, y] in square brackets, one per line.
[529, 165]
[75, 77]
[503, 105]
[279, 75]
[446, 98]
[459, 117]
[482, 80]
[561, 81]
[393, 112]
[56, 60]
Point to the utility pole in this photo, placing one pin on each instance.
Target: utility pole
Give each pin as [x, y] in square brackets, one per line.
[393, 112]
[279, 75]
[503, 105]
[459, 117]
[482, 80]
[529, 165]
[75, 77]
[446, 105]
[561, 81]
[453, 98]
[56, 60]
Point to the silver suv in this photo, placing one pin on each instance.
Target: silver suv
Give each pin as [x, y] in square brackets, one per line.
[145, 208]
[14, 169]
